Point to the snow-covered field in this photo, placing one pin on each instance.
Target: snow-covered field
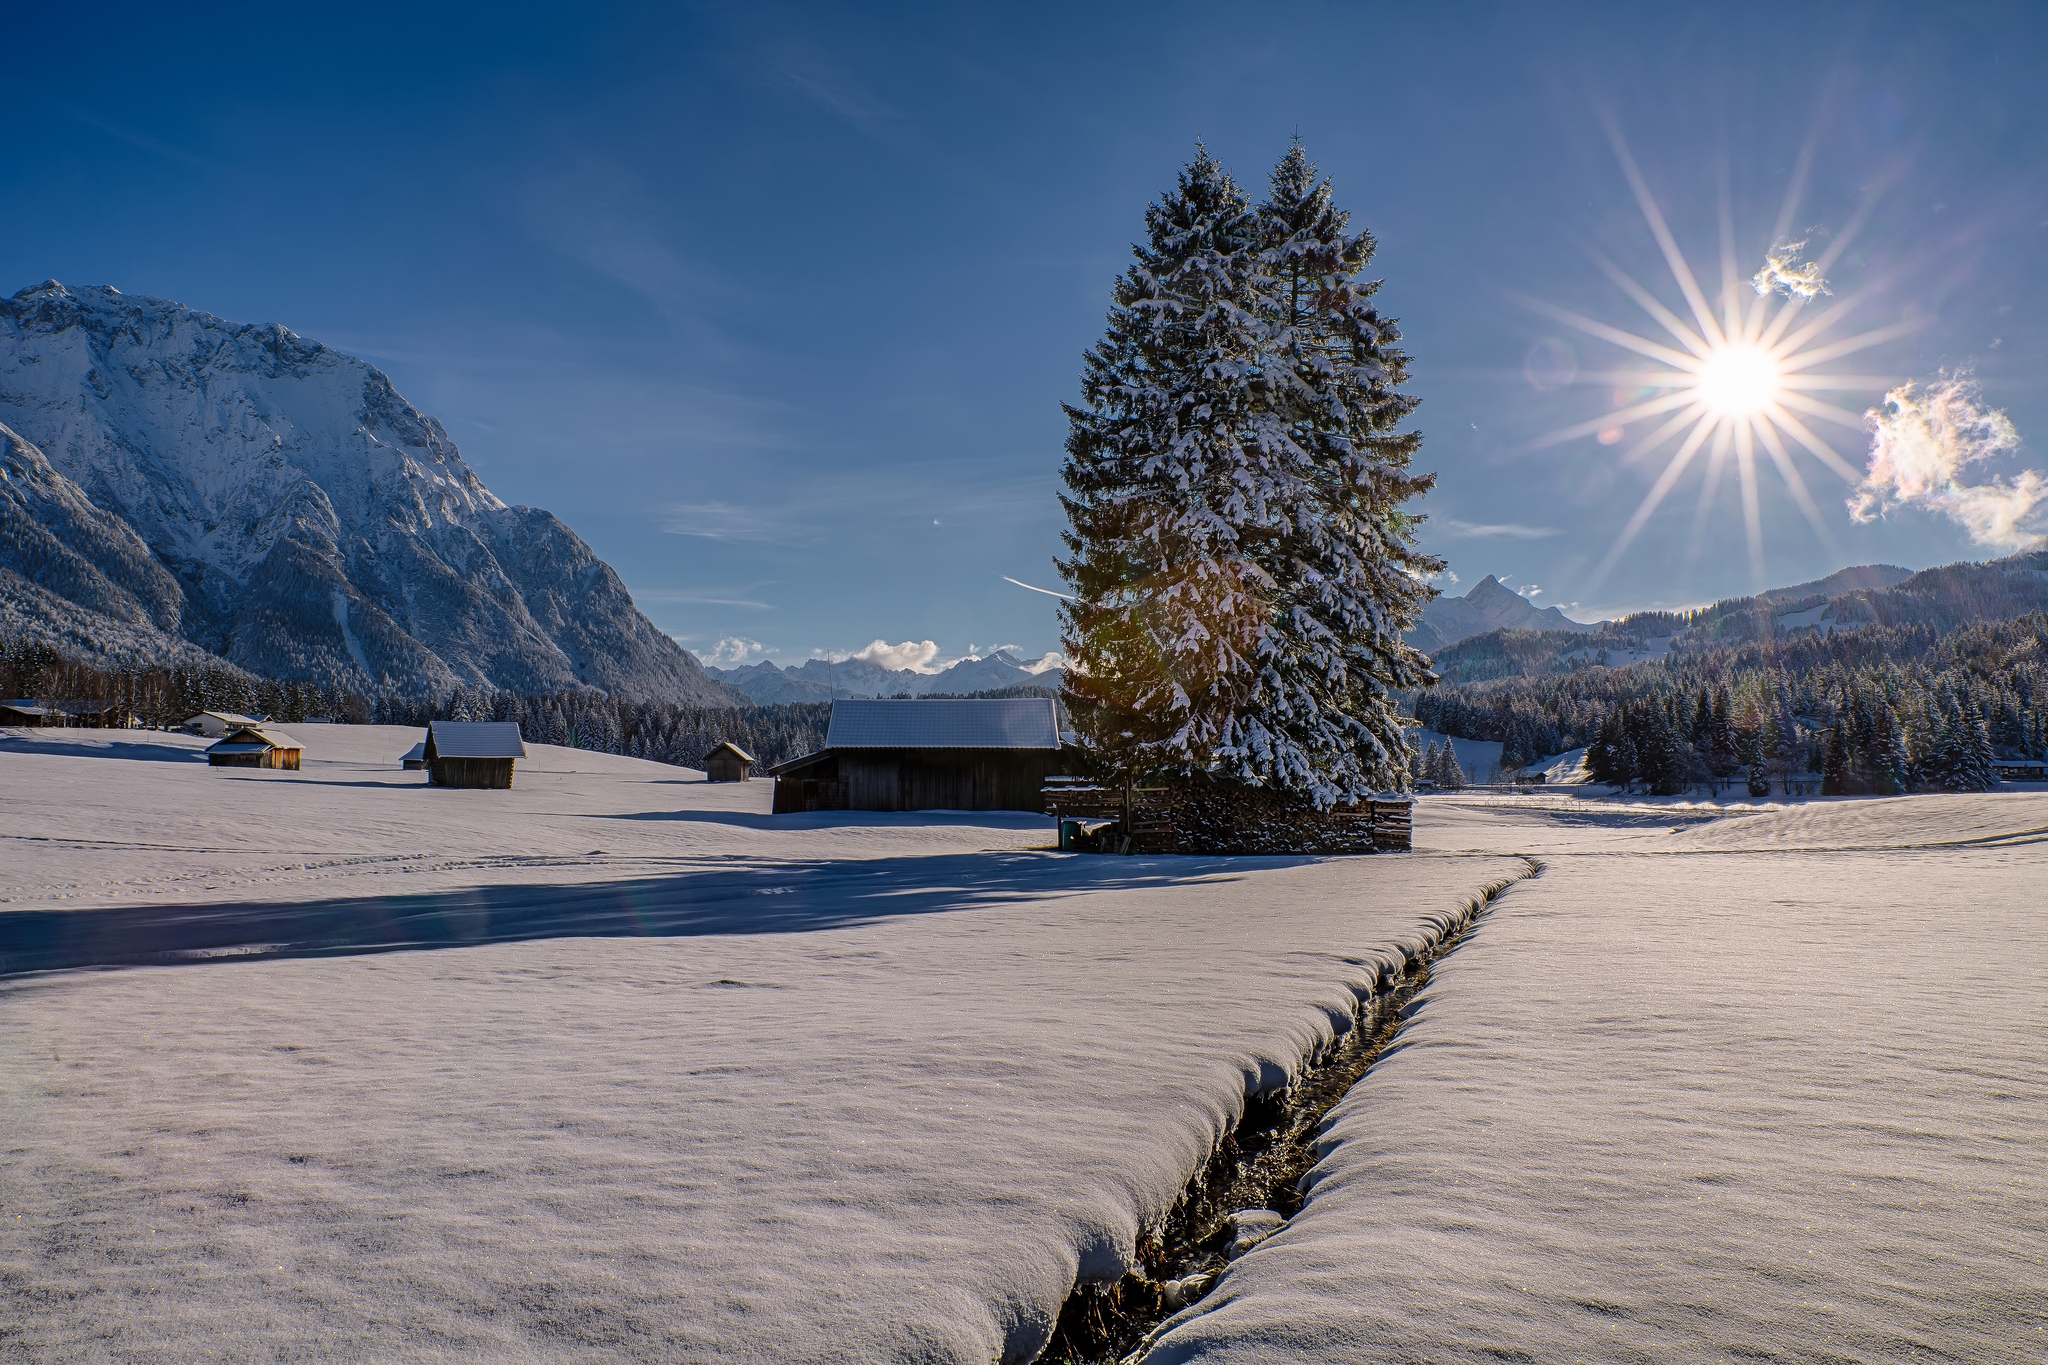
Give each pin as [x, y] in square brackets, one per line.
[1771, 1087]
[641, 1073]
[873, 1087]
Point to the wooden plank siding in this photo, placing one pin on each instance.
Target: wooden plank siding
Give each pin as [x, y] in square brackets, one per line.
[492, 773]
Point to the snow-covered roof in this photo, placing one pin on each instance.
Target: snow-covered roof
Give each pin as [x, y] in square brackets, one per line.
[1004, 723]
[229, 717]
[735, 750]
[247, 739]
[415, 754]
[476, 739]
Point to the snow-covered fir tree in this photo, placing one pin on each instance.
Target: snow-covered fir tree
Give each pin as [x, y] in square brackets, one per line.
[1242, 567]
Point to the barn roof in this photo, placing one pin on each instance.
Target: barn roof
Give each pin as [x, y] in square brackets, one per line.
[229, 717]
[476, 739]
[417, 753]
[729, 747]
[1001, 723]
[252, 739]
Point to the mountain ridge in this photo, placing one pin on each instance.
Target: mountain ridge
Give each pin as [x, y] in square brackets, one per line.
[817, 680]
[179, 480]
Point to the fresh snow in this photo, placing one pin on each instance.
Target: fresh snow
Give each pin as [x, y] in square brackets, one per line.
[707, 1085]
[1764, 1088]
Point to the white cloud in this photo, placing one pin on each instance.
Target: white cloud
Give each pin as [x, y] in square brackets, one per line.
[725, 521]
[915, 655]
[1531, 591]
[1784, 273]
[1052, 659]
[734, 650]
[1498, 530]
[1923, 441]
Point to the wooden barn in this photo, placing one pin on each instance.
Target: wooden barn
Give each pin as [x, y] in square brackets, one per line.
[472, 753]
[22, 711]
[253, 746]
[927, 755]
[728, 763]
[415, 758]
[216, 724]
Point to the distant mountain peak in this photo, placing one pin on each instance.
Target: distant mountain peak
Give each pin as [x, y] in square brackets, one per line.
[308, 522]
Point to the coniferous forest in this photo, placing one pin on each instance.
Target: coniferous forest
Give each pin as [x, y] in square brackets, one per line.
[1897, 690]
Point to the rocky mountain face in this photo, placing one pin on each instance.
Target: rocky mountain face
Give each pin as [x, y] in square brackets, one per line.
[176, 482]
[817, 680]
[1490, 605]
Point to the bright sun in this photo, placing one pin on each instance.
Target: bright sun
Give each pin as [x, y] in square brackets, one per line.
[1737, 380]
[1734, 382]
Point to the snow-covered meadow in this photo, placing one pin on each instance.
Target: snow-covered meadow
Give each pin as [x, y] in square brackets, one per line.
[869, 1087]
[1769, 1087]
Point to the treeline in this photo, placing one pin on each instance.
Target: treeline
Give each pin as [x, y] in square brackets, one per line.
[1884, 708]
[664, 732]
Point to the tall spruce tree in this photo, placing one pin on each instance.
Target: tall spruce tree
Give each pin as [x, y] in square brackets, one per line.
[1241, 566]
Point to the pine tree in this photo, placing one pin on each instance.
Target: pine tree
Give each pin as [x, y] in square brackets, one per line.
[1835, 763]
[1242, 569]
[1449, 775]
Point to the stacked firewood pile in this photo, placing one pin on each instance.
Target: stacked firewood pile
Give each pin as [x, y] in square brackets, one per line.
[1200, 817]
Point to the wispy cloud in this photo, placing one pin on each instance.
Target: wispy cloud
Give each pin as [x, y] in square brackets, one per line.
[1924, 441]
[1497, 530]
[149, 144]
[727, 521]
[1784, 273]
[600, 215]
[705, 597]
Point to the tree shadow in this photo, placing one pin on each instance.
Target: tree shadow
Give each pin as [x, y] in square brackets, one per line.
[127, 750]
[776, 898]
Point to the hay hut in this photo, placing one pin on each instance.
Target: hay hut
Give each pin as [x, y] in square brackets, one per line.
[927, 754]
[254, 746]
[472, 753]
[727, 763]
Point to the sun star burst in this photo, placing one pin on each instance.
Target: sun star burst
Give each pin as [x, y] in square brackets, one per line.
[1737, 374]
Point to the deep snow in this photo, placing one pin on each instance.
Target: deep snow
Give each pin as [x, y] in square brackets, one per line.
[1766, 1088]
[877, 1087]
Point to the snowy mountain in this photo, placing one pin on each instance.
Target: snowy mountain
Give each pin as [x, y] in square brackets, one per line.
[1491, 605]
[176, 481]
[819, 680]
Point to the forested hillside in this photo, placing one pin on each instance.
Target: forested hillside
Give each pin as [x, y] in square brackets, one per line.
[1921, 684]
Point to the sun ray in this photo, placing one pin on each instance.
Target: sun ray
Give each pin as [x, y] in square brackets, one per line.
[1732, 322]
[1796, 190]
[1752, 512]
[1649, 408]
[1802, 497]
[1710, 491]
[1627, 340]
[1848, 346]
[1813, 407]
[1819, 449]
[1655, 496]
[1672, 323]
[1673, 257]
[1865, 382]
[1662, 434]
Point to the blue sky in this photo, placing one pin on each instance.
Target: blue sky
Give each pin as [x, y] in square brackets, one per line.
[776, 306]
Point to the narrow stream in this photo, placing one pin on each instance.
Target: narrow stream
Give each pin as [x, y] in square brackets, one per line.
[1256, 1170]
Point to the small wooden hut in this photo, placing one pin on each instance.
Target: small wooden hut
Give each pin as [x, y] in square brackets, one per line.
[254, 746]
[472, 753]
[927, 754]
[216, 724]
[22, 711]
[727, 763]
[415, 758]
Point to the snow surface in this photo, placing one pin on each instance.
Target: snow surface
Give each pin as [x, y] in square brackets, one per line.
[736, 1088]
[1766, 1088]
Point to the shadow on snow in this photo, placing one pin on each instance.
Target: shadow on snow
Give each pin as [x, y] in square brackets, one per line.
[772, 898]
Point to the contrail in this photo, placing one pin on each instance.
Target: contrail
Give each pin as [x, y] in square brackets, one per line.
[1047, 591]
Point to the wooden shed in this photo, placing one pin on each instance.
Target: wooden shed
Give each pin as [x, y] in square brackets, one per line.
[927, 755]
[415, 758]
[472, 753]
[727, 763]
[22, 711]
[216, 724]
[254, 746]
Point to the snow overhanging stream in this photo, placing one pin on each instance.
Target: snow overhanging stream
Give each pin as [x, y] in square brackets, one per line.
[1258, 1176]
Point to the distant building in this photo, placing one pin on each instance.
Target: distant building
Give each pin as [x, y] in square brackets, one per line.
[414, 758]
[91, 715]
[214, 724]
[927, 755]
[253, 746]
[472, 753]
[727, 763]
